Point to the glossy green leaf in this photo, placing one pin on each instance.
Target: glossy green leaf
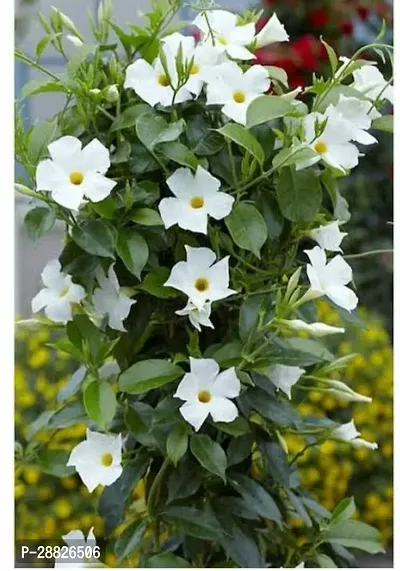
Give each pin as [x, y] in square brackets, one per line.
[209, 454]
[100, 402]
[299, 194]
[129, 539]
[256, 497]
[96, 237]
[355, 534]
[132, 248]
[266, 108]
[39, 221]
[146, 375]
[146, 217]
[242, 137]
[177, 443]
[247, 227]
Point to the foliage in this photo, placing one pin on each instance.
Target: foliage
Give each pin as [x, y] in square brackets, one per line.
[187, 405]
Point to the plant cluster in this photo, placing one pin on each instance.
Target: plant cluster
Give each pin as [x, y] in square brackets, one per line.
[188, 191]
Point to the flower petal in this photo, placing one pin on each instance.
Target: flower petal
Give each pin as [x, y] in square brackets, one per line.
[195, 414]
[227, 384]
[96, 157]
[64, 149]
[97, 187]
[223, 410]
[343, 297]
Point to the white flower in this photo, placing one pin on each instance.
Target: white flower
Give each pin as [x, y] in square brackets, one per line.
[330, 278]
[316, 329]
[332, 146]
[342, 391]
[370, 82]
[204, 59]
[356, 115]
[197, 317]
[207, 391]
[153, 84]
[284, 377]
[58, 294]
[235, 89]
[349, 433]
[97, 459]
[77, 42]
[200, 278]
[226, 34]
[76, 539]
[197, 197]
[108, 299]
[329, 237]
[73, 172]
[273, 31]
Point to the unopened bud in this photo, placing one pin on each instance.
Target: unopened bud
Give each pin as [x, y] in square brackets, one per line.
[112, 94]
[75, 40]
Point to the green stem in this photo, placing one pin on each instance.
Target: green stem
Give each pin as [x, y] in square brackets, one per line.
[366, 254]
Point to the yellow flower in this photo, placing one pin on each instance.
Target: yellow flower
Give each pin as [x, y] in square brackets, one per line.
[38, 358]
[19, 491]
[31, 475]
[62, 508]
[45, 492]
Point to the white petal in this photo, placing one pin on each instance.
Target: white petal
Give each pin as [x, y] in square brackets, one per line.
[338, 271]
[180, 278]
[195, 414]
[284, 377]
[257, 79]
[204, 369]
[361, 443]
[227, 384]
[329, 236]
[110, 475]
[73, 537]
[273, 31]
[97, 187]
[223, 410]
[200, 258]
[343, 296]
[44, 297]
[205, 182]
[170, 211]
[69, 195]
[219, 205]
[316, 329]
[51, 275]
[237, 112]
[188, 388]
[96, 157]
[239, 52]
[346, 431]
[63, 148]
[243, 35]
[181, 183]
[89, 475]
[59, 311]
[317, 258]
[78, 454]
[76, 293]
[342, 156]
[49, 176]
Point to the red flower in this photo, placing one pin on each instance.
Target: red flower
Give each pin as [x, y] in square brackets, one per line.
[363, 13]
[347, 27]
[307, 51]
[196, 34]
[318, 18]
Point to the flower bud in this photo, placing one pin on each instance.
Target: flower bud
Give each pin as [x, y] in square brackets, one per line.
[75, 40]
[111, 93]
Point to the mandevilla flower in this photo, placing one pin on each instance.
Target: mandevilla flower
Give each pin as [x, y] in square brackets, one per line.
[225, 33]
[332, 146]
[197, 197]
[357, 116]
[273, 31]
[235, 89]
[349, 433]
[330, 278]
[200, 278]
[342, 391]
[153, 84]
[204, 59]
[370, 82]
[108, 299]
[329, 237]
[58, 294]
[316, 329]
[197, 317]
[284, 377]
[97, 459]
[207, 391]
[75, 539]
[73, 173]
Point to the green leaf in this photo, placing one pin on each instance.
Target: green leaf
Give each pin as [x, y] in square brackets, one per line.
[154, 282]
[112, 500]
[171, 133]
[247, 227]
[96, 237]
[227, 355]
[310, 347]
[242, 137]
[238, 427]
[269, 209]
[278, 465]
[249, 315]
[40, 136]
[209, 454]
[165, 561]
[54, 462]
[194, 522]
[202, 138]
[239, 449]
[35, 87]
[333, 60]
[149, 127]
[290, 156]
[146, 375]
[185, 480]
[356, 534]
[277, 411]
[146, 217]
[100, 402]
[39, 221]
[132, 248]
[78, 57]
[40, 423]
[256, 497]
[344, 510]
[384, 123]
[69, 415]
[129, 539]
[324, 561]
[127, 119]
[177, 443]
[180, 154]
[278, 74]
[299, 194]
[266, 108]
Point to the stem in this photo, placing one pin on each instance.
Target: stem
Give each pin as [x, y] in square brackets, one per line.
[233, 168]
[366, 254]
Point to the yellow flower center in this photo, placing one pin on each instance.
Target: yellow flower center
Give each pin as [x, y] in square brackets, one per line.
[64, 292]
[222, 41]
[204, 396]
[195, 69]
[201, 284]
[197, 202]
[321, 147]
[76, 178]
[163, 80]
[107, 459]
[239, 97]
